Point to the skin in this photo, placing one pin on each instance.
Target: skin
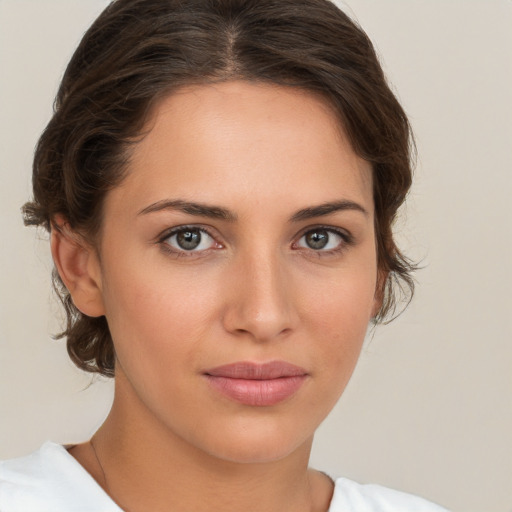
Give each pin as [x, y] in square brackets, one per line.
[253, 291]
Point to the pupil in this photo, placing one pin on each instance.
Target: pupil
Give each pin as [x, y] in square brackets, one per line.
[188, 239]
[317, 239]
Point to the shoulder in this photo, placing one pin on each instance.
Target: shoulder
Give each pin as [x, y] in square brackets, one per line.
[350, 496]
[50, 479]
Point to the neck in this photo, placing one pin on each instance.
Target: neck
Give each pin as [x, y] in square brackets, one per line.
[146, 467]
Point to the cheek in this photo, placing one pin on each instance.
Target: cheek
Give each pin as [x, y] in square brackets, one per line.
[157, 318]
[344, 303]
[338, 319]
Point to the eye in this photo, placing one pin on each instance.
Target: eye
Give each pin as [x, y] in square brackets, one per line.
[189, 239]
[322, 239]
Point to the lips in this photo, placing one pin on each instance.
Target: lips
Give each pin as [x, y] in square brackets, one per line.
[257, 384]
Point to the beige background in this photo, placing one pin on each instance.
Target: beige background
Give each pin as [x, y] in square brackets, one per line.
[429, 409]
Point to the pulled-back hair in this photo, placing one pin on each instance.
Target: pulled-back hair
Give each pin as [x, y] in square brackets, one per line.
[139, 51]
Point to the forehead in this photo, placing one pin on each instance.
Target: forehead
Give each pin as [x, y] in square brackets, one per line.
[239, 139]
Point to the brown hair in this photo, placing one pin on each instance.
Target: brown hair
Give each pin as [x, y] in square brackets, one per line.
[138, 51]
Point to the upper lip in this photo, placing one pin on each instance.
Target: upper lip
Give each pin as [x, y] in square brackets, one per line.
[257, 371]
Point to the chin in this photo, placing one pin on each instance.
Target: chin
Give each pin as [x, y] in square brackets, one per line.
[255, 452]
[255, 443]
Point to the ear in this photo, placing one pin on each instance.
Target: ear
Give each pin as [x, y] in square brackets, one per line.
[380, 287]
[78, 266]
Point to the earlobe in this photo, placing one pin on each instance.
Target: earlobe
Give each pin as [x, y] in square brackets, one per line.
[78, 267]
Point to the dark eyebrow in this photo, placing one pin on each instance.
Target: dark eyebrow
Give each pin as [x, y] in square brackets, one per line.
[326, 209]
[192, 208]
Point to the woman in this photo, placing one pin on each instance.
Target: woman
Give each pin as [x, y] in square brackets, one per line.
[220, 180]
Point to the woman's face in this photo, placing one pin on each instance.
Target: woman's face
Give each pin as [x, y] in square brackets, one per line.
[238, 269]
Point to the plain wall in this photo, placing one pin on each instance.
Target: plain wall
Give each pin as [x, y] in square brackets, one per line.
[429, 409]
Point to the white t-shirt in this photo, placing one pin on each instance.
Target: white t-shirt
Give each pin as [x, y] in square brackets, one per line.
[51, 480]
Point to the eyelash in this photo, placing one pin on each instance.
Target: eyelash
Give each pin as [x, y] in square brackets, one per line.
[165, 246]
[346, 240]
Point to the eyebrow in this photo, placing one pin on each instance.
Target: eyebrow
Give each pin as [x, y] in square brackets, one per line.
[217, 212]
[327, 209]
[192, 208]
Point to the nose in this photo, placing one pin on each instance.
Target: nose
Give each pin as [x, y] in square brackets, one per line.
[261, 300]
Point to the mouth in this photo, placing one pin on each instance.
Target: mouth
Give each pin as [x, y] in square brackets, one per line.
[257, 384]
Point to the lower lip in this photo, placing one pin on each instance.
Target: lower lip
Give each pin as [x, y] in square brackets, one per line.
[257, 392]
